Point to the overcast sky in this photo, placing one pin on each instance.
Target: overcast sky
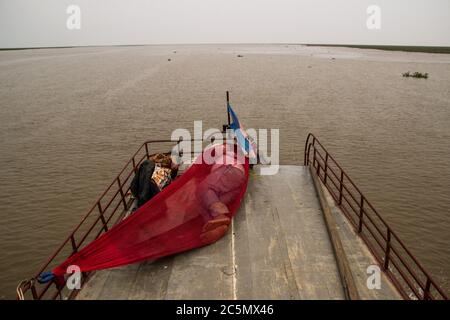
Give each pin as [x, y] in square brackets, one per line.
[37, 23]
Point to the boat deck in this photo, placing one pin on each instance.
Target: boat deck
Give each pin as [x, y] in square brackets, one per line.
[278, 248]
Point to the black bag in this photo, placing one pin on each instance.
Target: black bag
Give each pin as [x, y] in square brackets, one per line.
[142, 186]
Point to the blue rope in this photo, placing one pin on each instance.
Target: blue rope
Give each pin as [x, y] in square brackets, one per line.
[45, 277]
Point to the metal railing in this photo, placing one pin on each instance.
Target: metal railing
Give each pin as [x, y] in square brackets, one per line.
[106, 211]
[406, 273]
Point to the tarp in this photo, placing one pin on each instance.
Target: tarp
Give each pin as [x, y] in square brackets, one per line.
[171, 222]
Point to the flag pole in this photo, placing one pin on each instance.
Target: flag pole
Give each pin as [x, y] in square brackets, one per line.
[228, 103]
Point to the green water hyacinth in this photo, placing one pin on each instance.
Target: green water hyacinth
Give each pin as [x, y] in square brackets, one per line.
[418, 75]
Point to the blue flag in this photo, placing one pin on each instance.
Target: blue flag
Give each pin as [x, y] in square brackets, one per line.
[241, 138]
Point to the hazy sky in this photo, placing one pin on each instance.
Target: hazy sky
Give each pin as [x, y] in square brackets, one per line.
[35, 23]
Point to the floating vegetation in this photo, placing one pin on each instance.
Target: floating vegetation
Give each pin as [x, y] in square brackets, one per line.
[418, 75]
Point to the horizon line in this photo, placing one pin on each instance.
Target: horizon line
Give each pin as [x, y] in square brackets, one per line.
[387, 47]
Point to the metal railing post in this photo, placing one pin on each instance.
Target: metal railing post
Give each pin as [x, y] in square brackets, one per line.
[361, 214]
[387, 250]
[326, 168]
[307, 155]
[314, 157]
[34, 292]
[74, 245]
[426, 292]
[133, 161]
[178, 147]
[318, 166]
[122, 194]
[341, 186]
[102, 217]
[146, 151]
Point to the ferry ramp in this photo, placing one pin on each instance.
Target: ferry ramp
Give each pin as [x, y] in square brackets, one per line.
[277, 248]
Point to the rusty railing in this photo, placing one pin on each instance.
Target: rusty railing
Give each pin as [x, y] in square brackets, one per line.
[404, 270]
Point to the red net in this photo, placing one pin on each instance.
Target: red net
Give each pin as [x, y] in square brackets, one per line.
[175, 220]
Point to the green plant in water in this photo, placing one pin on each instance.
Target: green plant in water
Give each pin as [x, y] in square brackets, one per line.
[416, 74]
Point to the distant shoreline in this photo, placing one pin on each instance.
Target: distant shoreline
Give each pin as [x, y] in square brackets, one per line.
[423, 49]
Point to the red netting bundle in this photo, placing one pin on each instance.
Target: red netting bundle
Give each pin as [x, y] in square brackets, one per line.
[193, 211]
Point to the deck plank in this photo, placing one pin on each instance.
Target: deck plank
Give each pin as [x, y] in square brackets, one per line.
[204, 273]
[262, 266]
[280, 261]
[152, 280]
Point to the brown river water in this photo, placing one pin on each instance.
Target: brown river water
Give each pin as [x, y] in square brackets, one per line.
[70, 118]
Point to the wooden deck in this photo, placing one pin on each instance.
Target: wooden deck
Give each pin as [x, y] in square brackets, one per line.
[278, 248]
